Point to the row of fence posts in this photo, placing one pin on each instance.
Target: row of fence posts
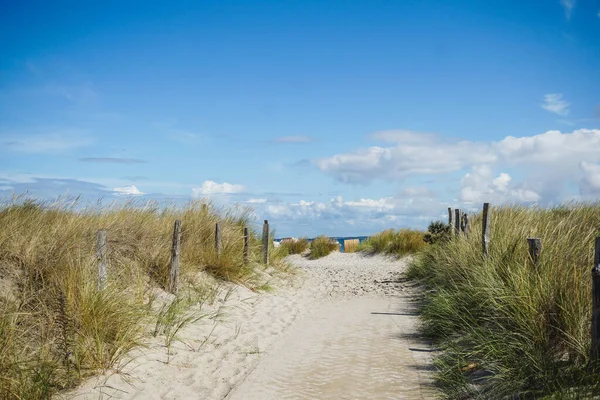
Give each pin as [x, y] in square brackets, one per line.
[460, 223]
[102, 250]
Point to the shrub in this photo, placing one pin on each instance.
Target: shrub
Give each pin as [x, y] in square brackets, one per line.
[298, 246]
[525, 327]
[321, 247]
[438, 232]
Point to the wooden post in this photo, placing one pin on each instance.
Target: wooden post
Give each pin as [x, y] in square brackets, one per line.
[466, 228]
[218, 243]
[246, 246]
[535, 249]
[101, 258]
[265, 242]
[450, 217]
[595, 348]
[485, 231]
[457, 222]
[175, 251]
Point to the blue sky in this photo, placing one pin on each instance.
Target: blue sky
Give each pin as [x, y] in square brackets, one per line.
[337, 117]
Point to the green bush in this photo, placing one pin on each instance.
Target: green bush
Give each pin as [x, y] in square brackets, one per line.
[508, 328]
[438, 232]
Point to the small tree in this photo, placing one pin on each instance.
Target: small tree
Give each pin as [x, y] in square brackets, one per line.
[437, 232]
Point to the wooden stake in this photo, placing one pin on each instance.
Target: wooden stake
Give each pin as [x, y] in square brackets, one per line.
[218, 243]
[457, 222]
[535, 249]
[265, 242]
[246, 246]
[466, 228]
[101, 258]
[175, 252]
[485, 233]
[450, 217]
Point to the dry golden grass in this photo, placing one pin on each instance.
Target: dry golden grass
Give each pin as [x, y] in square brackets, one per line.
[55, 326]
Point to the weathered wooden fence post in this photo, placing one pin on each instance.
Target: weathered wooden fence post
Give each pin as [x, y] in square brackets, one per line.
[485, 231]
[265, 242]
[457, 222]
[595, 349]
[175, 252]
[218, 243]
[246, 246]
[450, 217]
[101, 258]
[535, 249]
[466, 228]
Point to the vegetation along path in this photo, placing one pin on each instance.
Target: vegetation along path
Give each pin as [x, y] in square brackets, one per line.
[344, 330]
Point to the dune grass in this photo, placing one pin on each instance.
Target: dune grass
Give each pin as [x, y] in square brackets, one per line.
[322, 246]
[506, 327]
[398, 243]
[56, 327]
[295, 246]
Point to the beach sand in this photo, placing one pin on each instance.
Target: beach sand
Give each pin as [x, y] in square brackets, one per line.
[343, 328]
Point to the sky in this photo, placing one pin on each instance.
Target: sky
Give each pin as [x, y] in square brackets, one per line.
[326, 117]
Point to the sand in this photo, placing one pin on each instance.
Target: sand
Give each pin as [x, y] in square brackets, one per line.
[344, 328]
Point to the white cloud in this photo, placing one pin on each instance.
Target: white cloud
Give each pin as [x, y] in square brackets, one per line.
[381, 204]
[294, 139]
[256, 201]
[46, 143]
[211, 187]
[128, 191]
[420, 191]
[362, 209]
[413, 154]
[549, 160]
[590, 183]
[479, 185]
[552, 147]
[554, 103]
[568, 5]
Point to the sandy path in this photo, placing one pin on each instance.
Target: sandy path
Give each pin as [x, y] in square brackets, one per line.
[345, 329]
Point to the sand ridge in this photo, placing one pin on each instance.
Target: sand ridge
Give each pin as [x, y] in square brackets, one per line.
[343, 329]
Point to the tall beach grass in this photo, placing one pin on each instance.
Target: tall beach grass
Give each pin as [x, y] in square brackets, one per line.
[508, 328]
[394, 242]
[295, 246]
[322, 246]
[56, 327]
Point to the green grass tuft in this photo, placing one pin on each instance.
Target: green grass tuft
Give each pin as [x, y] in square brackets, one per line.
[295, 246]
[322, 246]
[398, 243]
[507, 328]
